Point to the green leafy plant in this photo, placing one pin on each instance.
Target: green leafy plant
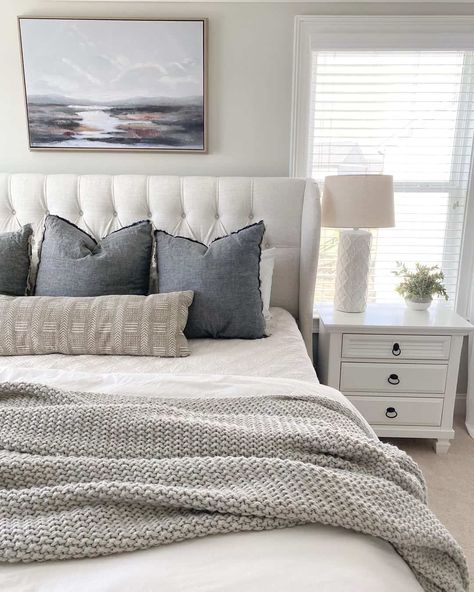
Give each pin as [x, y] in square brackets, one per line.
[421, 284]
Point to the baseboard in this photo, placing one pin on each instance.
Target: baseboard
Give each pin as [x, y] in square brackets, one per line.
[470, 429]
[460, 404]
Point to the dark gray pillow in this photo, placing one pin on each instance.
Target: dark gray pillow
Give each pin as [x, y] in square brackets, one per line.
[15, 261]
[225, 279]
[73, 263]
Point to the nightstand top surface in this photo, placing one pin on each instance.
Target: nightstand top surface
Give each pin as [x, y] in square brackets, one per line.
[439, 317]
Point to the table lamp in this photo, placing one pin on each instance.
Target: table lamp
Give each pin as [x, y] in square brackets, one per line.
[356, 202]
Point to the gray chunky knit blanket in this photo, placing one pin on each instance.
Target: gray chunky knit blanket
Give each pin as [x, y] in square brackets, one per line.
[84, 475]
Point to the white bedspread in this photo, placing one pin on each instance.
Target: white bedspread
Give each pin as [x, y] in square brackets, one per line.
[282, 354]
[308, 558]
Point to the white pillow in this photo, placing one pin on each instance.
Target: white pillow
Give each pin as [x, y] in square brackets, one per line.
[267, 263]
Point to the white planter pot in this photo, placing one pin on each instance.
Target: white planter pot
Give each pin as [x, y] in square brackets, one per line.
[421, 304]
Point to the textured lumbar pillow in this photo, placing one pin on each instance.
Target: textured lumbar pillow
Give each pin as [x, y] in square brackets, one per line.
[15, 261]
[115, 325]
[224, 277]
[73, 263]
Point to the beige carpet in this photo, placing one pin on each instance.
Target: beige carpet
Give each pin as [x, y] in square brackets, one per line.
[450, 480]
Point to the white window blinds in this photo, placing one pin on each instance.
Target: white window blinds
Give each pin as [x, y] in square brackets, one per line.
[405, 113]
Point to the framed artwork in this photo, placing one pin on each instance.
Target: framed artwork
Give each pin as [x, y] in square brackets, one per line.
[115, 84]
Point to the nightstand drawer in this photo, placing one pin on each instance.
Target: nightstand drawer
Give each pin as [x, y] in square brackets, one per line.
[399, 411]
[402, 347]
[393, 378]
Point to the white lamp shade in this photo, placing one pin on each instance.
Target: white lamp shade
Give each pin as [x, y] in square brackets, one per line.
[358, 201]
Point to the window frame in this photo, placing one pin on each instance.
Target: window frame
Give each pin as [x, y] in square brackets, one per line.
[369, 33]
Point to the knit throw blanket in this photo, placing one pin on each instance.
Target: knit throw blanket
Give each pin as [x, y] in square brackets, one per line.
[84, 475]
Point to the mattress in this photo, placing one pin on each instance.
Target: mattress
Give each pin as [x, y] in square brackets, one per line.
[283, 354]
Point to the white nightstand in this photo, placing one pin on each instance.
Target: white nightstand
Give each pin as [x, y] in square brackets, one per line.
[398, 367]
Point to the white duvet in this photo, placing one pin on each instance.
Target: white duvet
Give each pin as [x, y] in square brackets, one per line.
[306, 558]
[281, 354]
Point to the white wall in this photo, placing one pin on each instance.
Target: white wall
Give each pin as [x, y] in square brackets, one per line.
[250, 60]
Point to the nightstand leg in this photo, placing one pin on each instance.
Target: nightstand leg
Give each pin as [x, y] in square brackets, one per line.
[442, 445]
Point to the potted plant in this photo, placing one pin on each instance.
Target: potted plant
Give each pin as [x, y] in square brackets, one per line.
[418, 287]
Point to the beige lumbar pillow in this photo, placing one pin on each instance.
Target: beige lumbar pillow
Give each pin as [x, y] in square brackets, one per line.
[114, 325]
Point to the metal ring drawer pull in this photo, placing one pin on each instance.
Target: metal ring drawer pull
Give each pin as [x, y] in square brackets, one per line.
[393, 379]
[396, 351]
[391, 412]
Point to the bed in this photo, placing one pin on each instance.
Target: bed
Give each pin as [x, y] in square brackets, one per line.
[303, 557]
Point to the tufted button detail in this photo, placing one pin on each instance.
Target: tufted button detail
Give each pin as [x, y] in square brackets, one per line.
[47, 212]
[217, 216]
[81, 213]
[183, 215]
[14, 212]
[115, 214]
[149, 215]
[250, 216]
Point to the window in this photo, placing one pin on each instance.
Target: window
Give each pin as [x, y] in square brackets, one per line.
[409, 113]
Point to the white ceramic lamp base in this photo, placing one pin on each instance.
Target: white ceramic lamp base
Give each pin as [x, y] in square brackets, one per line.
[352, 271]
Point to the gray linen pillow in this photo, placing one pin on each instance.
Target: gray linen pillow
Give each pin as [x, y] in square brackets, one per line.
[107, 325]
[15, 261]
[225, 279]
[73, 263]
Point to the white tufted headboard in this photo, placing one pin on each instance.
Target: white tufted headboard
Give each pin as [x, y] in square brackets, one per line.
[202, 208]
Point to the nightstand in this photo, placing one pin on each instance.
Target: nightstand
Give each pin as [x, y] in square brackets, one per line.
[399, 367]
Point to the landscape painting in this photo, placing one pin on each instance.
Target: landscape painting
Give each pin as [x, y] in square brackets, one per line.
[101, 84]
